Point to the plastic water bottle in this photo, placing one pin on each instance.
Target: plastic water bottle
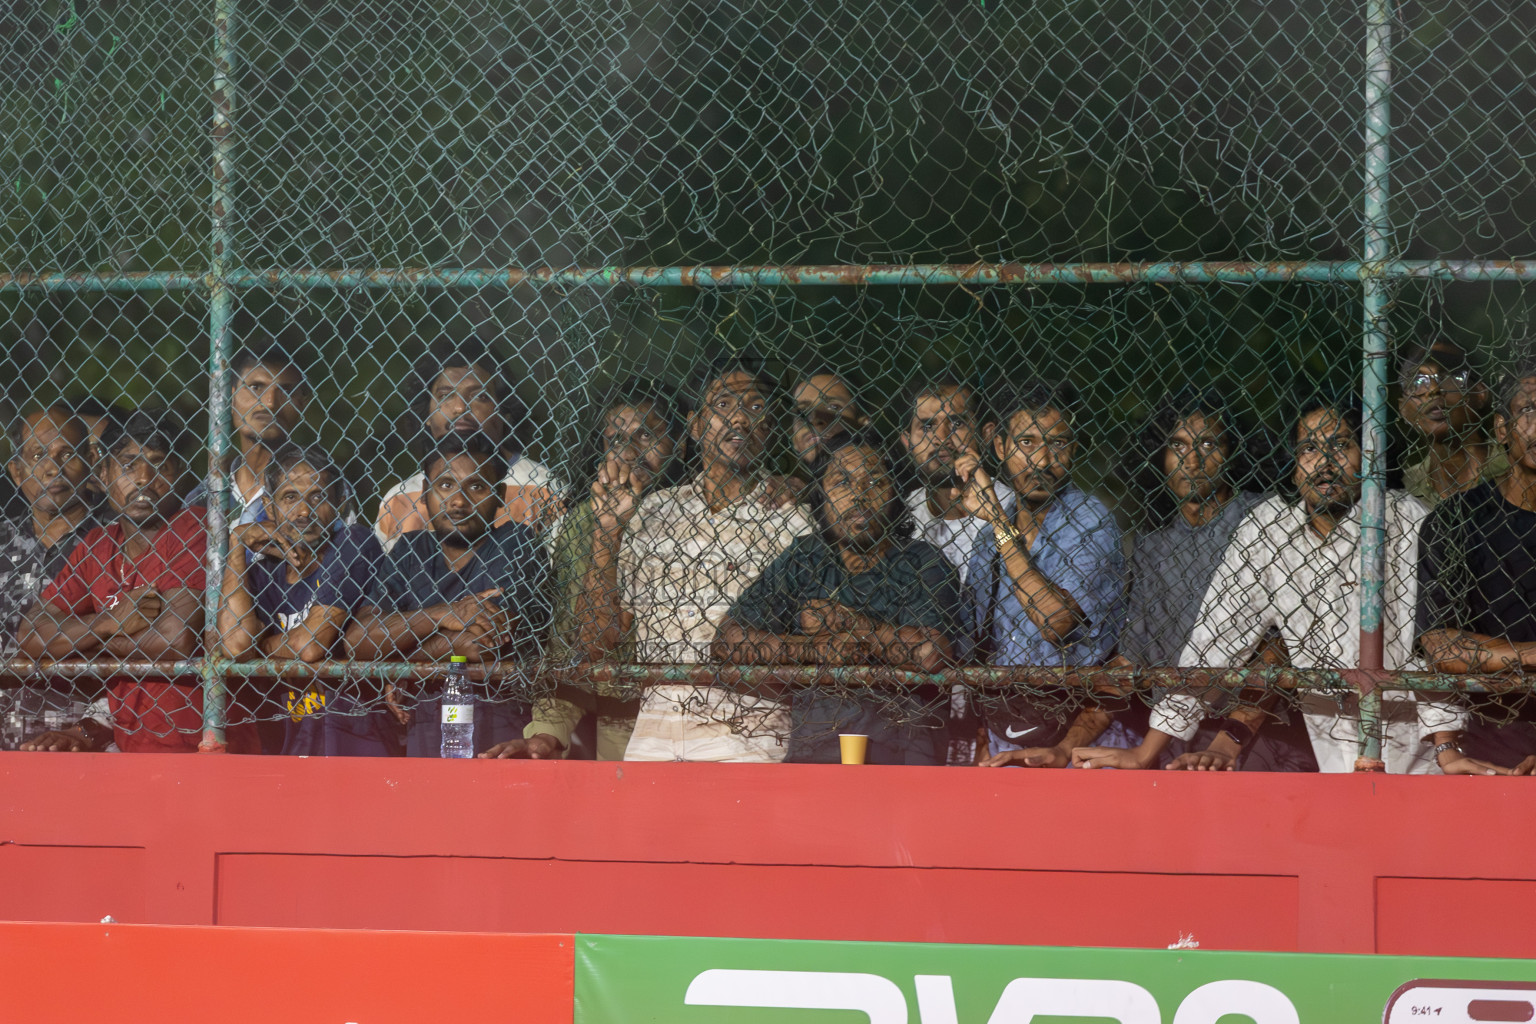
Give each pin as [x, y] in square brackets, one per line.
[458, 711]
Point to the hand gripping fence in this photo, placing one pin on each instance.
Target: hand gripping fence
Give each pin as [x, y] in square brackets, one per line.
[719, 246]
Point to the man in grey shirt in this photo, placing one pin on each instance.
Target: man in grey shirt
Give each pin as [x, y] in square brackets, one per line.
[1196, 466]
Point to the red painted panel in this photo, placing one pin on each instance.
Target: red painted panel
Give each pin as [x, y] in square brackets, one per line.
[71, 883]
[155, 974]
[1456, 916]
[666, 847]
[1060, 908]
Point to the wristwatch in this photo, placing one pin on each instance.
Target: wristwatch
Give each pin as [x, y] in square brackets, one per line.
[1241, 734]
[1447, 746]
[88, 727]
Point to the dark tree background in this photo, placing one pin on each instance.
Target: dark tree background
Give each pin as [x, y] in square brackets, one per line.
[660, 132]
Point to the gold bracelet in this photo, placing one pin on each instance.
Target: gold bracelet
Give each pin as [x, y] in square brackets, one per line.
[1005, 531]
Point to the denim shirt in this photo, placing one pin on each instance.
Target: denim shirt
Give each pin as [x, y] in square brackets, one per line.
[1079, 550]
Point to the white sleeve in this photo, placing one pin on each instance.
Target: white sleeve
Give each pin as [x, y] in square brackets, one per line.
[1179, 715]
[1400, 588]
[98, 712]
[1227, 628]
[1439, 715]
[1230, 623]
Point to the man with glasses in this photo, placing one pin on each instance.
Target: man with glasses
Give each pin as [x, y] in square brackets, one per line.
[1445, 402]
[1477, 576]
[1293, 566]
[50, 466]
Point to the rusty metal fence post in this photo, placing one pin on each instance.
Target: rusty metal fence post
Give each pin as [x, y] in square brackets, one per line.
[1376, 231]
[220, 311]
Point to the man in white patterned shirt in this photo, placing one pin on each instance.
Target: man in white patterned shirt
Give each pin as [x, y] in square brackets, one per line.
[1295, 566]
[666, 568]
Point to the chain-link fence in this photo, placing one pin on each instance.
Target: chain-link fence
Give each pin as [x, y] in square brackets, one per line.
[619, 348]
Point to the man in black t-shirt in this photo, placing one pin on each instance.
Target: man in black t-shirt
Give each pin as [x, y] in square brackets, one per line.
[463, 587]
[1477, 582]
[858, 591]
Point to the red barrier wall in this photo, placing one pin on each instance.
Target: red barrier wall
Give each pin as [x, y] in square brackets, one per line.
[1357, 864]
[129, 974]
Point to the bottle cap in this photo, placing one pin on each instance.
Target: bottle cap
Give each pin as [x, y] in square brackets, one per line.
[458, 659]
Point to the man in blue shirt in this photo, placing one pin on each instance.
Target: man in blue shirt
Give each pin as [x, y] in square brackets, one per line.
[1046, 577]
[461, 587]
[296, 607]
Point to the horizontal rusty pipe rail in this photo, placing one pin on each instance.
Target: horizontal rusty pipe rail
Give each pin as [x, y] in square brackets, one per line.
[733, 276]
[739, 676]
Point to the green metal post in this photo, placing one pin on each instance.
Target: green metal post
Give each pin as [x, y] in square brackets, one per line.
[220, 310]
[1374, 288]
[1370, 733]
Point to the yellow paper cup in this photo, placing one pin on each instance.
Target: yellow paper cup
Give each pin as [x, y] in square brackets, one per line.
[855, 747]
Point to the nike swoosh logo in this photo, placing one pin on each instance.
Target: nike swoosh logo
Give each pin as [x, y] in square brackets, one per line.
[1022, 732]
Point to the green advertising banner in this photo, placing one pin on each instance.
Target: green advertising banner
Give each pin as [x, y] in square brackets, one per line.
[634, 979]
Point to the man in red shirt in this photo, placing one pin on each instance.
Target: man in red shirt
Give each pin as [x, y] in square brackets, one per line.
[133, 590]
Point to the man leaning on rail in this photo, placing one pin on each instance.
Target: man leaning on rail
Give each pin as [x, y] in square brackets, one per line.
[1046, 578]
[50, 465]
[1477, 580]
[134, 590]
[1293, 566]
[297, 606]
[463, 587]
[858, 591]
[1201, 475]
